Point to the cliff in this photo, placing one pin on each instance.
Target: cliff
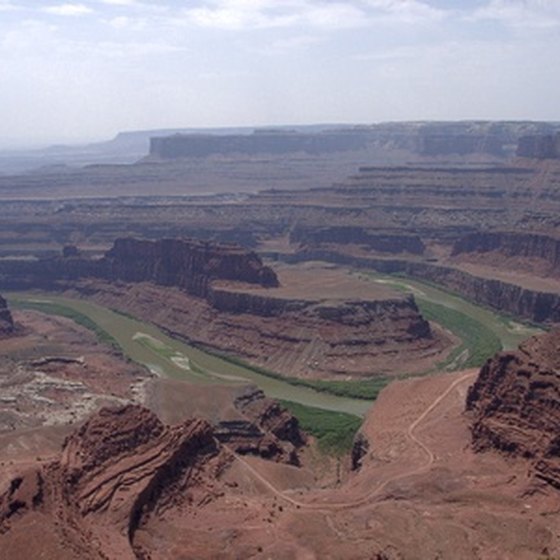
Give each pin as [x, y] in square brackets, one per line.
[537, 306]
[260, 142]
[186, 264]
[539, 249]
[515, 403]
[371, 239]
[428, 139]
[546, 146]
[6, 321]
[120, 468]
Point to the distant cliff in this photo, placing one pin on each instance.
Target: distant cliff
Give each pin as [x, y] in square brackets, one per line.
[374, 240]
[187, 264]
[266, 142]
[539, 146]
[496, 139]
[512, 244]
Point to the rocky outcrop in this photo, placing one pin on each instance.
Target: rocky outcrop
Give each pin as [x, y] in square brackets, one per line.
[546, 146]
[266, 429]
[532, 248]
[187, 264]
[190, 265]
[371, 239]
[6, 320]
[122, 466]
[515, 403]
[360, 449]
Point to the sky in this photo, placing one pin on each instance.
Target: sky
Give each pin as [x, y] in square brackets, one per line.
[85, 70]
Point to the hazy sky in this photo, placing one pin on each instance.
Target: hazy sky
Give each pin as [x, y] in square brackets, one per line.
[86, 70]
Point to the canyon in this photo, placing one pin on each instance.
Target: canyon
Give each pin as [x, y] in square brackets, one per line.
[304, 322]
[290, 251]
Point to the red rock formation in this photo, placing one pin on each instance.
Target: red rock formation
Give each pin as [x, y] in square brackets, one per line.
[266, 428]
[187, 264]
[119, 468]
[6, 321]
[371, 239]
[537, 248]
[516, 405]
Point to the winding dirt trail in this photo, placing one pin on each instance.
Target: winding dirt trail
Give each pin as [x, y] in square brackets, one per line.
[330, 506]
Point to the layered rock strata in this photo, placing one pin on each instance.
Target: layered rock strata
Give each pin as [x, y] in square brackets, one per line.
[265, 429]
[535, 305]
[121, 467]
[544, 146]
[541, 252]
[187, 264]
[373, 240]
[230, 305]
[515, 404]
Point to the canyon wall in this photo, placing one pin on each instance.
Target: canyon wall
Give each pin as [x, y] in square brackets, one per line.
[428, 139]
[187, 264]
[535, 146]
[307, 339]
[515, 404]
[534, 305]
[531, 246]
[372, 239]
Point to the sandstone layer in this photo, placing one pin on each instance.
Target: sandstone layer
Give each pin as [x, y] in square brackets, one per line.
[515, 404]
[117, 470]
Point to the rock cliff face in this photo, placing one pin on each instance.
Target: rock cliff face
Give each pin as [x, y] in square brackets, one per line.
[190, 265]
[545, 146]
[430, 139]
[187, 264]
[260, 142]
[511, 244]
[537, 306]
[6, 321]
[117, 470]
[372, 240]
[516, 405]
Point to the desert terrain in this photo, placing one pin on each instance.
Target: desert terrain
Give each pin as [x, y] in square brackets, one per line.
[297, 344]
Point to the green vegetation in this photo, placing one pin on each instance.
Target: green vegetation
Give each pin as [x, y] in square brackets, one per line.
[58, 309]
[334, 431]
[366, 389]
[478, 341]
